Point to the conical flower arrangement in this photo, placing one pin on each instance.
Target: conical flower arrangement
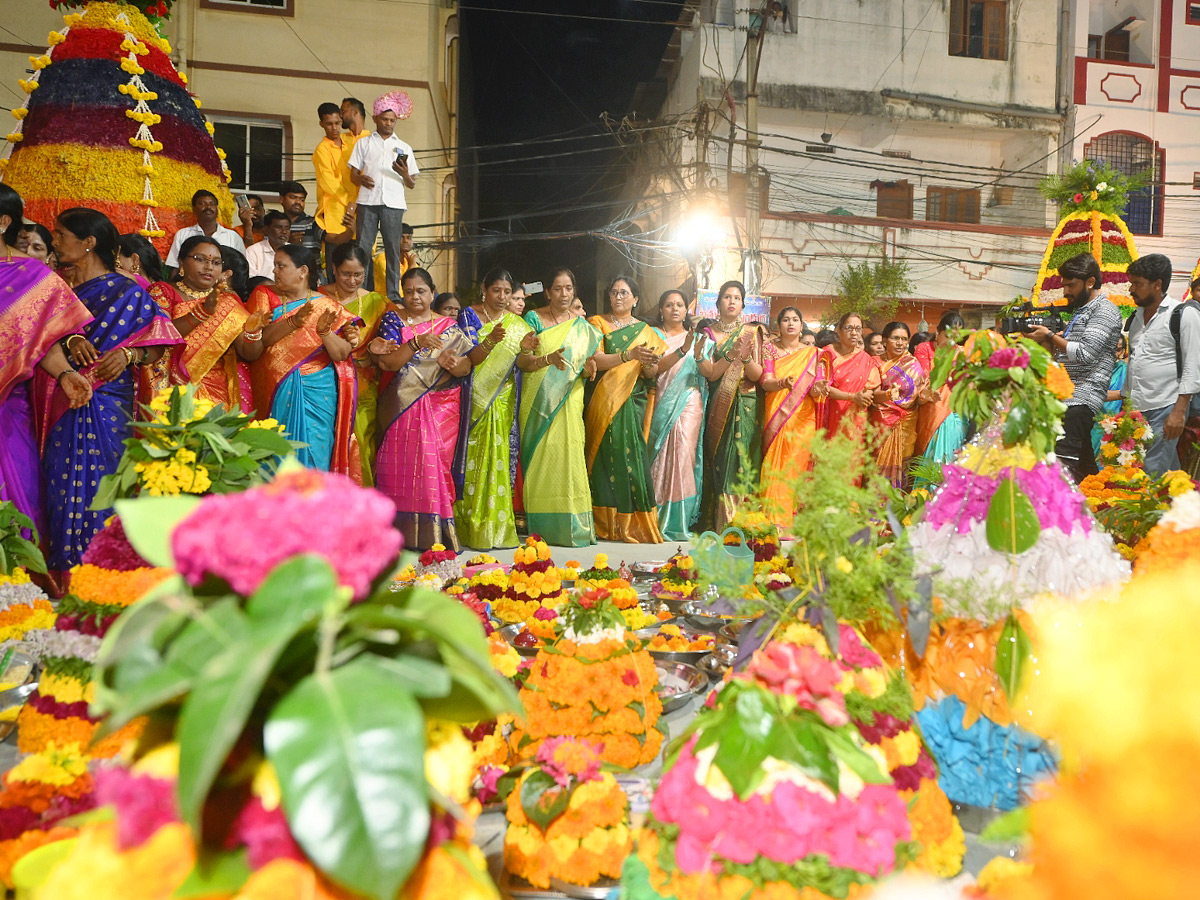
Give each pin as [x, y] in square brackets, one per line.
[1089, 196]
[108, 123]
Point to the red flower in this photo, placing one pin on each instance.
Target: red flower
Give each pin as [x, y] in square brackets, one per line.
[1078, 198]
[630, 677]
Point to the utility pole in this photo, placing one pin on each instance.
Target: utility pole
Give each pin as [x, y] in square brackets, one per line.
[752, 261]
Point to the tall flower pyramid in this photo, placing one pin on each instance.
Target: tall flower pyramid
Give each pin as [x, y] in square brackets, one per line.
[1089, 196]
[108, 123]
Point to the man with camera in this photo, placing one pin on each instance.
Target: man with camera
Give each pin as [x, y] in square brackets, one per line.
[1087, 348]
[1164, 358]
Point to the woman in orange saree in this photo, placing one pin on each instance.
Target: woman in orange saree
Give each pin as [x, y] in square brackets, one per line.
[894, 406]
[221, 337]
[852, 375]
[305, 379]
[793, 409]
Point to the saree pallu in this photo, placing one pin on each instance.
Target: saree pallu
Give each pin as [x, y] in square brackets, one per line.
[898, 419]
[940, 432]
[677, 458]
[370, 309]
[37, 309]
[483, 514]
[423, 447]
[81, 446]
[208, 359]
[732, 429]
[312, 397]
[558, 500]
[853, 373]
[791, 423]
[616, 427]
[1110, 407]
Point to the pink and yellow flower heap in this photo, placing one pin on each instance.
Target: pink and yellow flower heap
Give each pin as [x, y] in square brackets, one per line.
[108, 123]
[772, 792]
[532, 585]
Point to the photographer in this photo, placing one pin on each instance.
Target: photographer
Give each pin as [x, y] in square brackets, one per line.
[1164, 358]
[1087, 348]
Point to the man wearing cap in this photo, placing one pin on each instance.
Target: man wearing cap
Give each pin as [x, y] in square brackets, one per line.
[382, 166]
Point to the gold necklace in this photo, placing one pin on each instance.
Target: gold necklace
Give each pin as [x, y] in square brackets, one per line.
[337, 293]
[726, 329]
[490, 318]
[624, 324]
[191, 292]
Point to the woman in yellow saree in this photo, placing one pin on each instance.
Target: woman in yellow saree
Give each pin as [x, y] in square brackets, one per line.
[221, 336]
[558, 500]
[793, 407]
[503, 343]
[350, 263]
[617, 422]
[894, 406]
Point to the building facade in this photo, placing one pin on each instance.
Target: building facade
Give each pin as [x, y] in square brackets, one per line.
[914, 130]
[261, 68]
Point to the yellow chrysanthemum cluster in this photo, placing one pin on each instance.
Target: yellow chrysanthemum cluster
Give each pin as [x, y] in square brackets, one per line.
[449, 760]
[177, 474]
[995, 460]
[533, 551]
[161, 406]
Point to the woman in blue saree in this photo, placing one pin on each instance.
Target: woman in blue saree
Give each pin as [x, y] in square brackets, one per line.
[80, 446]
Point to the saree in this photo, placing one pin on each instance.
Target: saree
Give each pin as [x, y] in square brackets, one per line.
[732, 429]
[311, 396]
[852, 373]
[558, 499]
[421, 453]
[370, 309]
[676, 454]
[616, 427]
[791, 423]
[940, 431]
[37, 309]
[1110, 407]
[81, 446]
[904, 378]
[208, 359]
[484, 511]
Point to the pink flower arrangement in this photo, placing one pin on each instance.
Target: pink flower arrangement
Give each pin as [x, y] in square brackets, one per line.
[301, 512]
[265, 833]
[791, 824]
[853, 652]
[965, 497]
[545, 614]
[567, 758]
[110, 549]
[1009, 358]
[143, 803]
[803, 674]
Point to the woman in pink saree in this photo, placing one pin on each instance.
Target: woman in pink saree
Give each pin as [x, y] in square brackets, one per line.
[894, 406]
[423, 442]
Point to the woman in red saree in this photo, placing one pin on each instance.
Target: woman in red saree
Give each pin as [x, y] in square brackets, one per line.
[852, 375]
[894, 405]
[221, 336]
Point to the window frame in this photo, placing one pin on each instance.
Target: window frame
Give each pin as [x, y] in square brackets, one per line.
[1191, 12]
[893, 188]
[938, 197]
[1158, 155]
[959, 30]
[246, 6]
[252, 120]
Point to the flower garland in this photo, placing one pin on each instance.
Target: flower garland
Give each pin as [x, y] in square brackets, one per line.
[1125, 438]
[677, 580]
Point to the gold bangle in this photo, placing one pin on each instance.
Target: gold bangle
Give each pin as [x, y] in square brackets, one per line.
[69, 339]
[128, 356]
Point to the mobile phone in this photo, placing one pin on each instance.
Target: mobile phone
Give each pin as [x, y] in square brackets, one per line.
[533, 287]
[401, 157]
[241, 200]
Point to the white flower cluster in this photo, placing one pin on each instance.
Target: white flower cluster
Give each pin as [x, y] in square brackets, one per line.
[1184, 513]
[595, 635]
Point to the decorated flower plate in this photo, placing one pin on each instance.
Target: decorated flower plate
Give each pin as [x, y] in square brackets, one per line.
[648, 567]
[676, 644]
[511, 633]
[678, 682]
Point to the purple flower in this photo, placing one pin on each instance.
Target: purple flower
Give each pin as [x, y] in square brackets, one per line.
[1008, 358]
[242, 537]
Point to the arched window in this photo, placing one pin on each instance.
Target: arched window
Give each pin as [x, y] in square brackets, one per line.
[1135, 154]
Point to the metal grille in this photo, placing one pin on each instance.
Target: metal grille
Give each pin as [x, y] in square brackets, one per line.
[1133, 154]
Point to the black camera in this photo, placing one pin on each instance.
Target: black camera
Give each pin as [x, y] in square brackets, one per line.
[1024, 319]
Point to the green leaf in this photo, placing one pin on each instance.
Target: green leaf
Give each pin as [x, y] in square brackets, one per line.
[1016, 425]
[743, 745]
[542, 799]
[856, 760]
[801, 745]
[1010, 826]
[222, 874]
[352, 774]
[296, 591]
[149, 522]
[423, 678]
[1012, 523]
[1012, 656]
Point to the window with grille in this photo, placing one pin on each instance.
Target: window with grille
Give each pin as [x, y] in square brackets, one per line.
[253, 151]
[945, 204]
[1193, 12]
[979, 28]
[1133, 154]
[893, 200]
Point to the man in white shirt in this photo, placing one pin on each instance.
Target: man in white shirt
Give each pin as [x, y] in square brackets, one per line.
[261, 256]
[382, 166]
[204, 208]
[1164, 372]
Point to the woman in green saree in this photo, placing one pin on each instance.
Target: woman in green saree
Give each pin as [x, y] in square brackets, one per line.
[558, 501]
[503, 343]
[617, 422]
[734, 422]
[349, 269]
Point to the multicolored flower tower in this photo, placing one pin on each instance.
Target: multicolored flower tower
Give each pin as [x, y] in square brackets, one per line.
[1089, 196]
[108, 123]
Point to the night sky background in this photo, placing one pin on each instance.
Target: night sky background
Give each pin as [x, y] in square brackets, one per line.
[536, 76]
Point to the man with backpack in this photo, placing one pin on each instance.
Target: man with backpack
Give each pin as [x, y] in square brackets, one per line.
[1164, 358]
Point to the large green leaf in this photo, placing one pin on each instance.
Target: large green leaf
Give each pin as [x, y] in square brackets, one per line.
[543, 799]
[223, 874]
[348, 747]
[1016, 424]
[149, 522]
[1013, 651]
[1012, 522]
[743, 745]
[296, 590]
[795, 740]
[856, 759]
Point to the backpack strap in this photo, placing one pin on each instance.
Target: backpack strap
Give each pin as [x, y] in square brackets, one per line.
[1173, 323]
